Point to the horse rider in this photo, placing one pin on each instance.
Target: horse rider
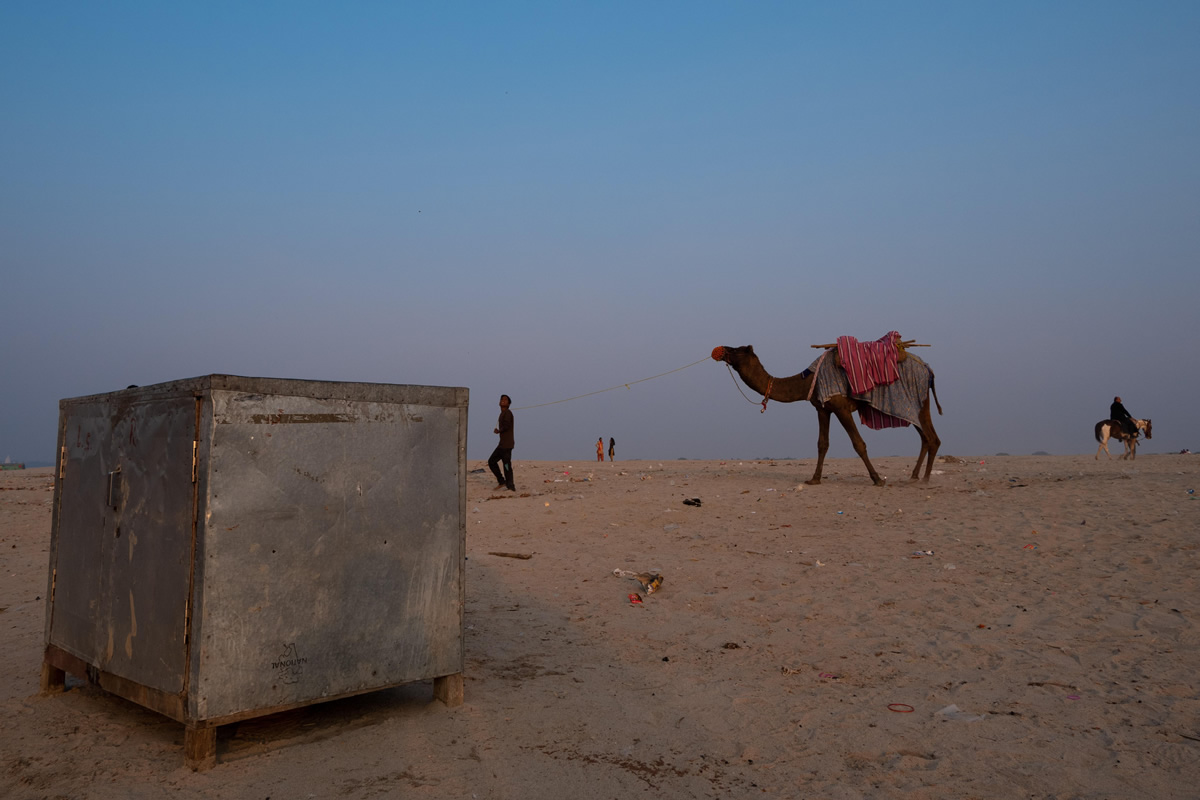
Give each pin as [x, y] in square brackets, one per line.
[1118, 413]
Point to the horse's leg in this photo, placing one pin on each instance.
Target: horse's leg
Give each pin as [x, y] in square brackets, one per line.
[822, 444]
[929, 443]
[1103, 445]
[845, 416]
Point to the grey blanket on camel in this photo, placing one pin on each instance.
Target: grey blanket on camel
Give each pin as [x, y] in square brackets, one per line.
[903, 398]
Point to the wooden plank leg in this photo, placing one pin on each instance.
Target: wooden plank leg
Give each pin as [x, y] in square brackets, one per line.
[54, 680]
[449, 689]
[200, 746]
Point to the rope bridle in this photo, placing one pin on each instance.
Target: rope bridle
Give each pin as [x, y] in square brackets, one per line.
[766, 397]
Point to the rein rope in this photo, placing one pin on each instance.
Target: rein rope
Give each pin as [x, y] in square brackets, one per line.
[609, 389]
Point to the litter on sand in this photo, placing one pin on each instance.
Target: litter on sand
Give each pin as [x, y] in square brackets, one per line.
[952, 711]
[650, 581]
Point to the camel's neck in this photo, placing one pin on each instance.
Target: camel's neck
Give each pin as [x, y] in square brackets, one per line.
[782, 390]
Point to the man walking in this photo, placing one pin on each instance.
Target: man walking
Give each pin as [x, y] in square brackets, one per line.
[503, 451]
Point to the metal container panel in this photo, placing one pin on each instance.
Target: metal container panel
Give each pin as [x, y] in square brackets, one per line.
[333, 544]
[122, 540]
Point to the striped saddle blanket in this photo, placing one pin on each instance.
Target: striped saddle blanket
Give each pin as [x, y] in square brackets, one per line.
[890, 392]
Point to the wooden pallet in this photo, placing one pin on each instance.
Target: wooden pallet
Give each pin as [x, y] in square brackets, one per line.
[199, 736]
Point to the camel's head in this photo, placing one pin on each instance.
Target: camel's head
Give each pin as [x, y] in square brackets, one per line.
[732, 355]
[1149, 434]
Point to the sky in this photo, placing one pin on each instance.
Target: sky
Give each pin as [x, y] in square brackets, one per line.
[551, 199]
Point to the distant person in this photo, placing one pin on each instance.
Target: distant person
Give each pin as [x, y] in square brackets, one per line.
[612, 448]
[1118, 413]
[600, 449]
[503, 451]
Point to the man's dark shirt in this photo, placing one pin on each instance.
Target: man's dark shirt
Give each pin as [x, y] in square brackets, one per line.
[506, 429]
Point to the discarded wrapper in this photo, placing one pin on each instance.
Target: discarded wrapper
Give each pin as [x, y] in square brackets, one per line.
[649, 581]
[636, 599]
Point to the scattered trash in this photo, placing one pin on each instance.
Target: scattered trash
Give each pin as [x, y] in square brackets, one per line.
[922, 552]
[650, 581]
[900, 708]
[791, 670]
[731, 646]
[670, 527]
[1031, 547]
[694, 501]
[952, 711]
[635, 599]
[949, 566]
[523, 556]
[819, 564]
[828, 675]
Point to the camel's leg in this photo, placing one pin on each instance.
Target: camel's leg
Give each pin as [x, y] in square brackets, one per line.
[822, 445]
[920, 455]
[929, 443]
[846, 417]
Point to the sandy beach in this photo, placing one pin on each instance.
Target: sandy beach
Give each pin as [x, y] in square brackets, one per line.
[1018, 627]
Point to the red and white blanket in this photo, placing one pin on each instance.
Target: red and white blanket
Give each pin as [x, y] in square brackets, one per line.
[869, 364]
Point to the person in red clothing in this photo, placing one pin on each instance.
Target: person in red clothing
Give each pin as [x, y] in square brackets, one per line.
[600, 449]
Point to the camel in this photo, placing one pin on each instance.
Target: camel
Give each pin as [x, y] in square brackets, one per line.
[798, 387]
[1110, 428]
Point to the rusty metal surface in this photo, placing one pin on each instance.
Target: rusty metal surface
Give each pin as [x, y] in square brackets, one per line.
[122, 538]
[329, 538]
[333, 549]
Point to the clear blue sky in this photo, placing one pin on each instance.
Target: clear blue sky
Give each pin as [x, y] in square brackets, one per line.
[547, 199]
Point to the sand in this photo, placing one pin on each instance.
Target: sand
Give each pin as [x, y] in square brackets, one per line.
[1019, 627]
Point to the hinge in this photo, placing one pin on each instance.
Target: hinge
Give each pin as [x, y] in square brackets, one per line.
[195, 449]
[62, 463]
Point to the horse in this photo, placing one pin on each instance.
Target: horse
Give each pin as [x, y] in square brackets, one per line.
[1110, 428]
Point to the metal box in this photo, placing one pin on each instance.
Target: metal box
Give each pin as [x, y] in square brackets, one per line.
[226, 547]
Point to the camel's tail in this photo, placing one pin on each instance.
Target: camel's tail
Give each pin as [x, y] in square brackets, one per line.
[933, 389]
